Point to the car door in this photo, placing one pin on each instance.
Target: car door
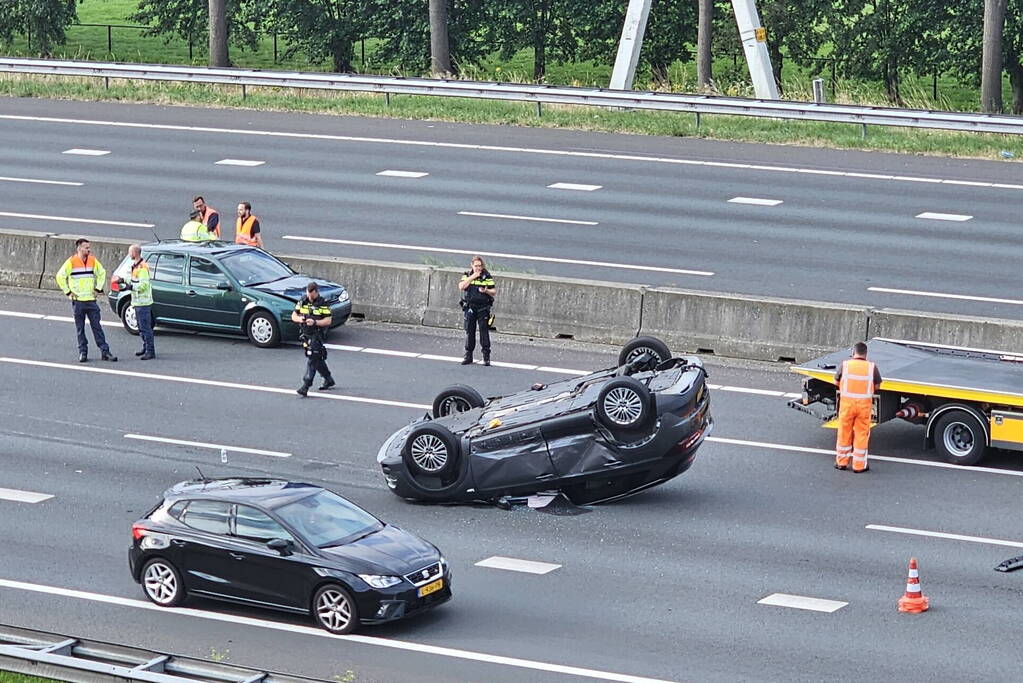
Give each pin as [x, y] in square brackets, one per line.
[263, 574]
[168, 272]
[214, 301]
[203, 552]
[510, 457]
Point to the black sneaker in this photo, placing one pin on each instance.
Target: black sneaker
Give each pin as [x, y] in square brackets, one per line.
[140, 353]
[467, 360]
[109, 356]
[82, 357]
[147, 356]
[302, 391]
[329, 384]
[486, 360]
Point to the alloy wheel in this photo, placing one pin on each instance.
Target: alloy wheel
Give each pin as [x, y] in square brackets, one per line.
[454, 405]
[334, 610]
[429, 453]
[623, 405]
[160, 583]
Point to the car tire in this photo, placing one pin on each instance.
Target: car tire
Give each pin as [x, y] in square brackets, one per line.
[457, 398]
[960, 437]
[162, 583]
[128, 319]
[430, 450]
[263, 329]
[334, 609]
[625, 406]
[634, 347]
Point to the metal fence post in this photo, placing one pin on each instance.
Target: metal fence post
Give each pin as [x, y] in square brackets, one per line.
[190, 50]
[275, 48]
[539, 110]
[28, 35]
[106, 82]
[834, 76]
[387, 98]
[697, 120]
[935, 86]
[863, 130]
[818, 90]
[110, 39]
[243, 91]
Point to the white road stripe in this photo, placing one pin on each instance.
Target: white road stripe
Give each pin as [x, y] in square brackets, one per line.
[200, 444]
[514, 565]
[802, 602]
[239, 162]
[754, 201]
[19, 314]
[41, 182]
[320, 633]
[67, 219]
[574, 186]
[17, 496]
[489, 148]
[941, 295]
[885, 458]
[391, 352]
[944, 216]
[87, 152]
[69, 319]
[938, 534]
[403, 174]
[760, 392]
[563, 371]
[526, 218]
[495, 254]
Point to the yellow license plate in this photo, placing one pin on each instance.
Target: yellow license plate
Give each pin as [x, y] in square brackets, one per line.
[431, 587]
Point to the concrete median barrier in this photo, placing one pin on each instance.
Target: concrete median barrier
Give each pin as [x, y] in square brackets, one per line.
[995, 334]
[22, 257]
[389, 292]
[109, 250]
[760, 328]
[547, 307]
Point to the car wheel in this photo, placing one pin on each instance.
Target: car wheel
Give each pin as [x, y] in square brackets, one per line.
[457, 398]
[624, 406]
[263, 330]
[430, 450]
[335, 610]
[162, 583]
[128, 319]
[640, 345]
[960, 437]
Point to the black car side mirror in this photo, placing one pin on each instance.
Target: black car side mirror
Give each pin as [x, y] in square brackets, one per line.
[280, 545]
[225, 286]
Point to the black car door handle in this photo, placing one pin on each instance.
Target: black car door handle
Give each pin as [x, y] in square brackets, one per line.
[237, 556]
[544, 477]
[177, 542]
[190, 292]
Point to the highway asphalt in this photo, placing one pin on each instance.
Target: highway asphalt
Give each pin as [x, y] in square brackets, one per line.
[884, 230]
[662, 586]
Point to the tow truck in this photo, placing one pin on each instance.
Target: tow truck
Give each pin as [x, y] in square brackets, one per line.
[967, 400]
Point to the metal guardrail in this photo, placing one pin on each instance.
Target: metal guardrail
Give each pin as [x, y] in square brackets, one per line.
[515, 92]
[38, 653]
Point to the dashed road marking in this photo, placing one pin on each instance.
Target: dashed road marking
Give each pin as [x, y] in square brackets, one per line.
[802, 602]
[87, 152]
[944, 216]
[754, 201]
[403, 174]
[68, 219]
[526, 218]
[41, 182]
[943, 295]
[239, 162]
[939, 534]
[18, 496]
[514, 565]
[201, 444]
[574, 186]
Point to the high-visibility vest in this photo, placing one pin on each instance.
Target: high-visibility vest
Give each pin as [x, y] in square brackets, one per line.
[82, 278]
[141, 287]
[194, 231]
[243, 231]
[857, 379]
[210, 211]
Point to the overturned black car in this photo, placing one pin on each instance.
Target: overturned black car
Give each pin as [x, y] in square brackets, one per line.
[595, 438]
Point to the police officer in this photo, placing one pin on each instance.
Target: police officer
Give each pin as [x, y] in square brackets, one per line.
[141, 300]
[478, 292]
[313, 316]
[194, 230]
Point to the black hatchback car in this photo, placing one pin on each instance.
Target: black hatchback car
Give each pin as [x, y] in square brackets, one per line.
[287, 546]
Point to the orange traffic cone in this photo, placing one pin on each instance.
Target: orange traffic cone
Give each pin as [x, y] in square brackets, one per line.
[914, 600]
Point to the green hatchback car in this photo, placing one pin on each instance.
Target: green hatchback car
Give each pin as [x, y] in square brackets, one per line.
[223, 287]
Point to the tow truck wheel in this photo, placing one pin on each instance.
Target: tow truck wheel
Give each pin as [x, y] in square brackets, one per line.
[960, 437]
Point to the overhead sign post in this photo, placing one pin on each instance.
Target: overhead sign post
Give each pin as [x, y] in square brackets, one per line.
[754, 44]
[631, 44]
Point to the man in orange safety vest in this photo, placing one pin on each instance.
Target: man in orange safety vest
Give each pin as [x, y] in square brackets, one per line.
[857, 380]
[246, 227]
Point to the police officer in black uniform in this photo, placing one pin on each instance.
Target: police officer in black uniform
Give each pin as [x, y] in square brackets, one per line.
[478, 292]
[313, 316]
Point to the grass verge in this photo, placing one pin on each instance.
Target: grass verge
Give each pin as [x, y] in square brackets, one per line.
[11, 677]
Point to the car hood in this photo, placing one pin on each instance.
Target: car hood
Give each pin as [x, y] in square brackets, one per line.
[293, 287]
[389, 551]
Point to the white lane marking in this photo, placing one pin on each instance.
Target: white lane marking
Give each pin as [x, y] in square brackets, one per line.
[490, 148]
[526, 218]
[563, 371]
[447, 359]
[754, 201]
[944, 216]
[391, 352]
[793, 395]
[495, 254]
[759, 392]
[23, 496]
[941, 295]
[886, 458]
[802, 602]
[239, 162]
[19, 314]
[200, 444]
[574, 186]
[319, 632]
[67, 219]
[213, 383]
[939, 534]
[514, 565]
[41, 182]
[403, 174]
[69, 319]
[87, 152]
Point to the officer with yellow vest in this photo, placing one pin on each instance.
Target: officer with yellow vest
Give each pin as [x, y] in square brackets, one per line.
[80, 278]
[312, 315]
[246, 227]
[857, 379]
[141, 301]
[194, 230]
[478, 290]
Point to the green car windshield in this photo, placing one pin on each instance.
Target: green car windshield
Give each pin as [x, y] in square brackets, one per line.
[254, 267]
[326, 519]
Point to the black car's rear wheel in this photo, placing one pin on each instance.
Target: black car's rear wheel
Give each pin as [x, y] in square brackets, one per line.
[128, 319]
[635, 348]
[162, 584]
[263, 330]
[334, 609]
[430, 450]
[457, 398]
[625, 406]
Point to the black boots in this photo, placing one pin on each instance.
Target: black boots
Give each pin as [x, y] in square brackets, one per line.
[467, 360]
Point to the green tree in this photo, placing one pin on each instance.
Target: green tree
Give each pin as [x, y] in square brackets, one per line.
[189, 19]
[323, 29]
[545, 26]
[404, 29]
[45, 20]
[965, 44]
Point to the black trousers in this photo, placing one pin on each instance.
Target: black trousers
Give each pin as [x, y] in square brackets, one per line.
[315, 362]
[476, 318]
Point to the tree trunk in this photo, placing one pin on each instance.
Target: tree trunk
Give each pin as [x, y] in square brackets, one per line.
[659, 74]
[341, 54]
[540, 46]
[440, 48]
[704, 74]
[218, 34]
[1015, 70]
[777, 61]
[991, 62]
